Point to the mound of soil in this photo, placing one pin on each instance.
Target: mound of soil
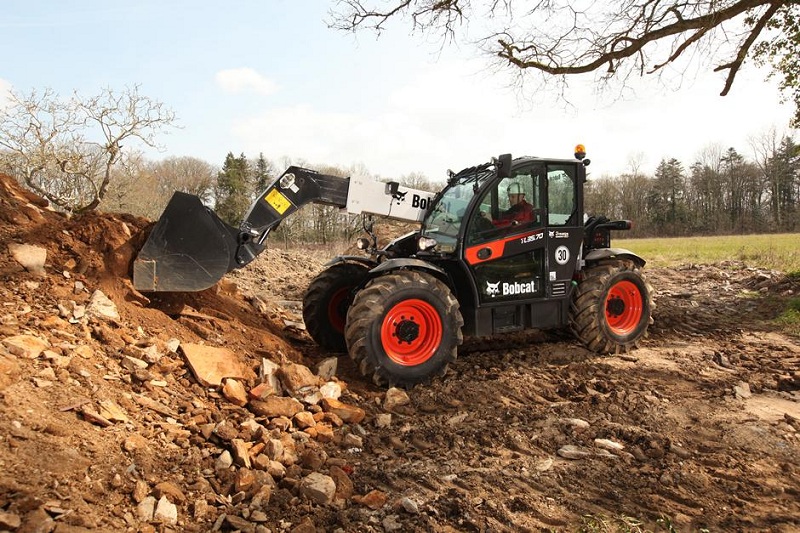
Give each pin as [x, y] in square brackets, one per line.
[110, 421]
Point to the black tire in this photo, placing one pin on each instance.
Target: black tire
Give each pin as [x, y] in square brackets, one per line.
[404, 328]
[612, 307]
[326, 301]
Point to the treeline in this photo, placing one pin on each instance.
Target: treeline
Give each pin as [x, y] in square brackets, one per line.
[721, 192]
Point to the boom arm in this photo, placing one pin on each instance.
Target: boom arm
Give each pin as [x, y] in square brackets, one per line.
[190, 248]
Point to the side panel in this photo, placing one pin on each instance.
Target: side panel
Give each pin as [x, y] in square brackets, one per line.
[376, 198]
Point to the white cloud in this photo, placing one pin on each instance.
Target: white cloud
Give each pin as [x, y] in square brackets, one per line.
[452, 116]
[238, 80]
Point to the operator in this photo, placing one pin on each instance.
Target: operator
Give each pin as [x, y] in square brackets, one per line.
[520, 211]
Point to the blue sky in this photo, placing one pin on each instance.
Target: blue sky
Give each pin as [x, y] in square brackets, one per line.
[269, 76]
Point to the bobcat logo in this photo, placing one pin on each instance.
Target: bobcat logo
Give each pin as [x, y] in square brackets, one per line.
[492, 289]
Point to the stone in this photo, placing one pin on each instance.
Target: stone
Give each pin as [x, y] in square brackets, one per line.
[9, 521]
[313, 458]
[348, 413]
[383, 420]
[112, 411]
[318, 488]
[352, 440]
[304, 420]
[331, 390]
[395, 398]
[274, 406]
[374, 499]
[234, 392]
[26, 346]
[244, 480]
[101, 307]
[166, 512]
[146, 509]
[608, 444]
[295, 377]
[262, 391]
[224, 461]
[575, 422]
[171, 491]
[409, 505]
[241, 455]
[140, 491]
[211, 365]
[742, 390]
[344, 485]
[32, 258]
[391, 523]
[326, 368]
[574, 452]
[269, 375]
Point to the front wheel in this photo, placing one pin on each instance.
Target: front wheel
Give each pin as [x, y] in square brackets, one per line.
[612, 307]
[326, 301]
[403, 328]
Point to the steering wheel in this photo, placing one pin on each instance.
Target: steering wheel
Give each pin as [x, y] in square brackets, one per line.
[483, 224]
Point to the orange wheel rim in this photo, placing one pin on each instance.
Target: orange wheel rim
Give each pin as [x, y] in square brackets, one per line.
[411, 332]
[624, 307]
[337, 308]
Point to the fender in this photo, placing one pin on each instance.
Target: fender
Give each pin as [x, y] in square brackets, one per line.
[607, 253]
[408, 262]
[366, 261]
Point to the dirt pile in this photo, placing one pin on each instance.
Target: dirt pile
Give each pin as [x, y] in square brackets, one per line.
[214, 411]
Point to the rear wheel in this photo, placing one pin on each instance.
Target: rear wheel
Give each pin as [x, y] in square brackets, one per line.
[404, 328]
[326, 301]
[612, 307]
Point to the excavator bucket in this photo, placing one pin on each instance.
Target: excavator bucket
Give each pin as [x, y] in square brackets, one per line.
[189, 249]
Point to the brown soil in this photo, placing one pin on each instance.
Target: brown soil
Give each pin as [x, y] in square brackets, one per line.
[705, 415]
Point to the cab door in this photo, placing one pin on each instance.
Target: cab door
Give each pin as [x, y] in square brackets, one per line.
[505, 254]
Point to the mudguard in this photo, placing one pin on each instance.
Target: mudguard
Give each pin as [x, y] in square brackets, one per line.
[607, 253]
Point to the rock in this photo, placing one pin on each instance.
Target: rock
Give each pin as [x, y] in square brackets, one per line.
[146, 509]
[166, 512]
[374, 499]
[331, 390]
[100, 306]
[9, 521]
[269, 375]
[742, 390]
[326, 368]
[32, 258]
[409, 505]
[244, 480]
[112, 411]
[295, 377]
[238, 523]
[575, 422]
[241, 455]
[383, 420]
[224, 461]
[37, 521]
[234, 392]
[140, 491]
[26, 346]
[211, 365]
[608, 444]
[313, 458]
[274, 406]
[171, 491]
[262, 391]
[304, 420]
[348, 413]
[352, 441]
[574, 452]
[395, 398]
[318, 488]
[9, 371]
[344, 485]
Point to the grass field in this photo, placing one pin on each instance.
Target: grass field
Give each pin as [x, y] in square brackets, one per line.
[777, 252]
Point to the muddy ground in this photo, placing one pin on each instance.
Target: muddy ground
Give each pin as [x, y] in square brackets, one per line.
[104, 420]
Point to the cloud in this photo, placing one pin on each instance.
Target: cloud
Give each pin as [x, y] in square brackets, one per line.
[238, 80]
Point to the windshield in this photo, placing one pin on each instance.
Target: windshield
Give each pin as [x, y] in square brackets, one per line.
[449, 211]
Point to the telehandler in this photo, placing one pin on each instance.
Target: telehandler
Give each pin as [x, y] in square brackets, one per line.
[475, 266]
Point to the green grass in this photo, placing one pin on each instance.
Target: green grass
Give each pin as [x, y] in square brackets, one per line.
[790, 318]
[776, 252]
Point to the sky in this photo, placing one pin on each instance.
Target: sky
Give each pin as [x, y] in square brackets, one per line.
[270, 76]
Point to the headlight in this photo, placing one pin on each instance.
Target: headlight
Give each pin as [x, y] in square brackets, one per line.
[426, 243]
[362, 243]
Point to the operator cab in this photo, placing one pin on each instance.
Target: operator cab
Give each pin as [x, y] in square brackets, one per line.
[510, 239]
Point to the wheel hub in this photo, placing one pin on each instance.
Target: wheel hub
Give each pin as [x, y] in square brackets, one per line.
[615, 306]
[407, 330]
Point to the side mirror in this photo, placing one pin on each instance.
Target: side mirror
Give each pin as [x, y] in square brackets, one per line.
[503, 166]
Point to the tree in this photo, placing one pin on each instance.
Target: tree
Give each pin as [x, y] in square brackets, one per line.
[614, 40]
[666, 197]
[233, 189]
[66, 150]
[264, 174]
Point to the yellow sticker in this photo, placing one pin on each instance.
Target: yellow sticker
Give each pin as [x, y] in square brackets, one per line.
[278, 201]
